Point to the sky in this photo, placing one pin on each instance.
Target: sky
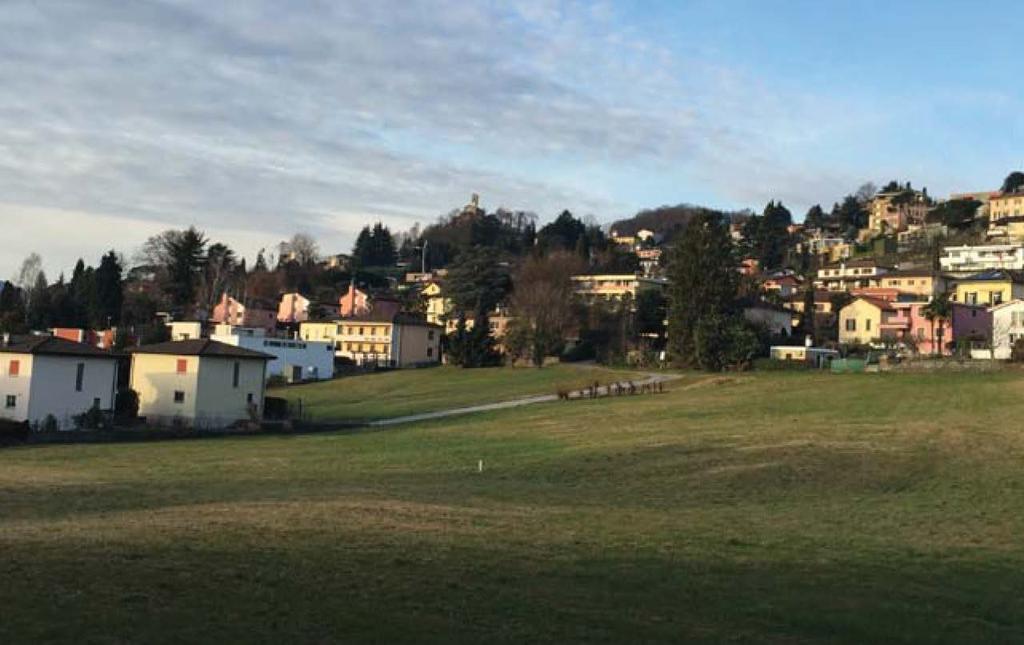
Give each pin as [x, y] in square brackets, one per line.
[257, 119]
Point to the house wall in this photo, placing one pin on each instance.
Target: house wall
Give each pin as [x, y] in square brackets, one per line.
[971, 323]
[294, 308]
[316, 358]
[220, 403]
[20, 386]
[155, 379]
[53, 387]
[867, 319]
[986, 292]
[1007, 328]
[925, 286]
[186, 330]
[418, 344]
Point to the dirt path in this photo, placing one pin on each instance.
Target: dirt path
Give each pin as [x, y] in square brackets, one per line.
[604, 390]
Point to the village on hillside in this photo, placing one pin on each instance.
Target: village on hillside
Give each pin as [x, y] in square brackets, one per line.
[187, 334]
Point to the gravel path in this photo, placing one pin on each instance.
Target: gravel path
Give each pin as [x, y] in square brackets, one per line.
[651, 378]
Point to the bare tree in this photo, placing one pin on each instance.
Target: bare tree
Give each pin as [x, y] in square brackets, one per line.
[542, 303]
[302, 248]
[31, 279]
[866, 192]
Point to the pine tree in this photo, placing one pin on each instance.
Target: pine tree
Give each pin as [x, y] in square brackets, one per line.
[109, 292]
[702, 297]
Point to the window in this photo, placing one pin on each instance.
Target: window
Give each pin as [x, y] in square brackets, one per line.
[430, 352]
[249, 397]
[867, 324]
[851, 324]
[96, 403]
[79, 377]
[182, 365]
[179, 396]
[14, 368]
[11, 401]
[235, 375]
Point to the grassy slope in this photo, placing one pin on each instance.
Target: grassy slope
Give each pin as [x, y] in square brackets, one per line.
[774, 507]
[398, 393]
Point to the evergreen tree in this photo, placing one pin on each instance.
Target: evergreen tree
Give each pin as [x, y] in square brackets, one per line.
[261, 263]
[109, 292]
[186, 258]
[815, 217]
[807, 315]
[1013, 182]
[702, 297]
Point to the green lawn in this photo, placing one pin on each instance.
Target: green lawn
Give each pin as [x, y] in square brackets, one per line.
[404, 392]
[777, 507]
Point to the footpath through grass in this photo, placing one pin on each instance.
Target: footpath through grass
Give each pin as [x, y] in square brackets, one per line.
[797, 508]
[404, 392]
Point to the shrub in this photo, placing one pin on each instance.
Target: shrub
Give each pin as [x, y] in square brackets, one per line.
[126, 405]
[277, 380]
[1017, 351]
[92, 419]
[13, 431]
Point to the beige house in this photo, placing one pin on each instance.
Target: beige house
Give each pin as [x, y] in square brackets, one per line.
[397, 340]
[200, 383]
[615, 286]
[1004, 205]
[926, 284]
[861, 320]
[850, 275]
[438, 307]
[897, 211]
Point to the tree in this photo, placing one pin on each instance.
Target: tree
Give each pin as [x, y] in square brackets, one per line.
[807, 315]
[109, 292]
[866, 192]
[702, 297]
[541, 304]
[955, 213]
[302, 248]
[850, 216]
[562, 234]
[477, 282]
[767, 237]
[218, 275]
[374, 247]
[28, 277]
[815, 217]
[178, 257]
[1013, 182]
[473, 346]
[939, 309]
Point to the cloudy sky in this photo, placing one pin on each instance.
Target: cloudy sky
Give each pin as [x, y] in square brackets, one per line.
[256, 119]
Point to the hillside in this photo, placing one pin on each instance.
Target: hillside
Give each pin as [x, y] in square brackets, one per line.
[798, 508]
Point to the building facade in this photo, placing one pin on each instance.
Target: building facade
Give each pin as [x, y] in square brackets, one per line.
[254, 314]
[293, 359]
[199, 383]
[44, 376]
[850, 275]
[396, 341]
[987, 288]
[966, 260]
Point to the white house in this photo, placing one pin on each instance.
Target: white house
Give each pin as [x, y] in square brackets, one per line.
[295, 359]
[42, 376]
[966, 260]
[1007, 327]
[186, 330]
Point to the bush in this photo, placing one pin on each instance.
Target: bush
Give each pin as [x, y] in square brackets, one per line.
[126, 405]
[49, 424]
[774, 365]
[1017, 351]
[92, 419]
[13, 431]
[277, 380]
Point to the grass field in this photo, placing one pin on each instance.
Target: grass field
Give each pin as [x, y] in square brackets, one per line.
[399, 393]
[794, 508]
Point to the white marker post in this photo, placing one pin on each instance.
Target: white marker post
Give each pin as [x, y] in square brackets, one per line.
[480, 466]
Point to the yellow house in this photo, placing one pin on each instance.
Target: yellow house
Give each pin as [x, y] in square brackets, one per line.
[1004, 205]
[615, 286]
[988, 288]
[861, 320]
[926, 284]
[438, 307]
[201, 383]
[400, 340]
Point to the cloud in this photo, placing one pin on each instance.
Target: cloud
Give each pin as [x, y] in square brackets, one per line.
[267, 118]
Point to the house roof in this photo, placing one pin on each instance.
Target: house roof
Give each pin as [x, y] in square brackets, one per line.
[200, 347]
[52, 346]
[911, 273]
[884, 305]
[994, 274]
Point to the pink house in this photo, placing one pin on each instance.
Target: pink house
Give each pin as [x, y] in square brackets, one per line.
[293, 308]
[354, 303]
[907, 321]
[256, 314]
